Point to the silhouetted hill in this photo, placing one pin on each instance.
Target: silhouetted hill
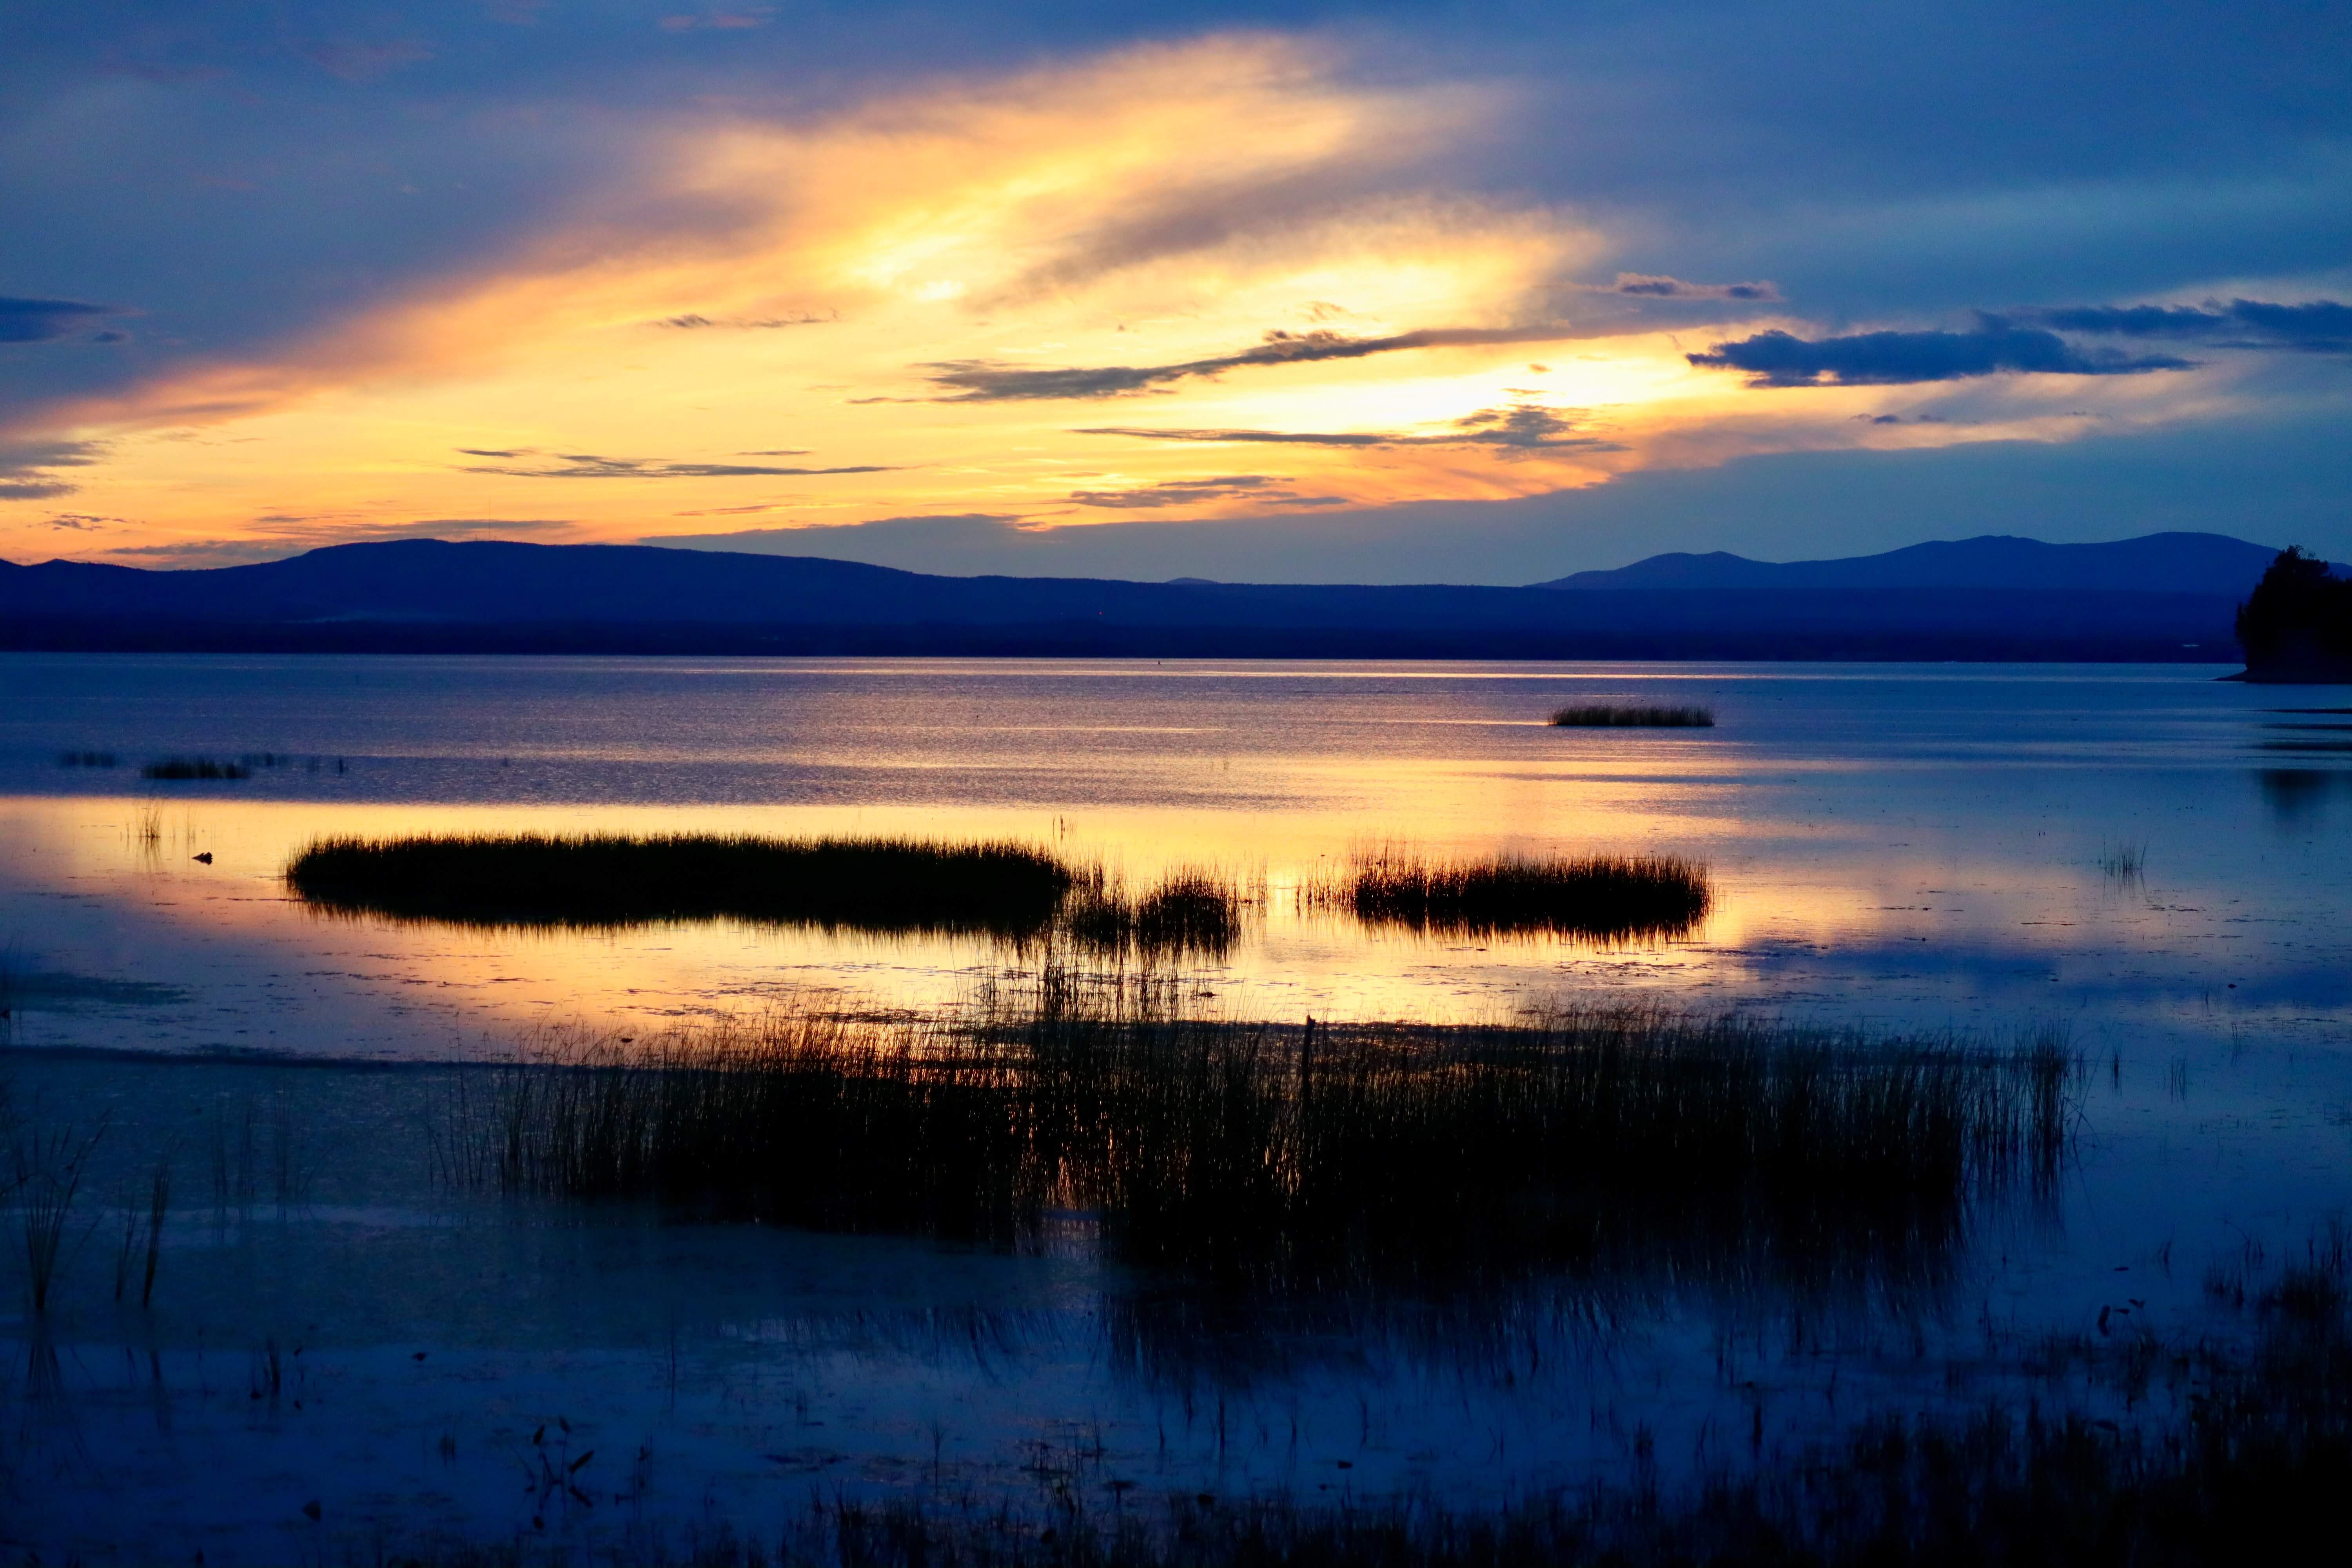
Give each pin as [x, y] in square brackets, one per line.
[2154, 563]
[422, 596]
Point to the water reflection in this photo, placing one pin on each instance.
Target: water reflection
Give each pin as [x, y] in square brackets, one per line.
[2297, 797]
[1914, 844]
[1893, 851]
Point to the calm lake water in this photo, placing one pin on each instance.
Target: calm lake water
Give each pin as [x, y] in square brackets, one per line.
[2151, 860]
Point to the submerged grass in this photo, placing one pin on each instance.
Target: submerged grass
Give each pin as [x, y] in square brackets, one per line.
[2250, 1468]
[2121, 860]
[1280, 1156]
[1614, 716]
[877, 884]
[1607, 896]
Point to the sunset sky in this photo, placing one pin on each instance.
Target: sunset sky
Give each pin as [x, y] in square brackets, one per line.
[1293, 292]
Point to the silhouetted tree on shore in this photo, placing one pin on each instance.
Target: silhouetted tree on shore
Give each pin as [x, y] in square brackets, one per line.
[2297, 623]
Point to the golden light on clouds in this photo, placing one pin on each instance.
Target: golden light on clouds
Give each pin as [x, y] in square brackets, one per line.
[1176, 283]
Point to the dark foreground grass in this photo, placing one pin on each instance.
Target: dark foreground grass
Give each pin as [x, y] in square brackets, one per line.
[1282, 1156]
[183, 769]
[870, 884]
[1605, 896]
[2250, 1466]
[1618, 716]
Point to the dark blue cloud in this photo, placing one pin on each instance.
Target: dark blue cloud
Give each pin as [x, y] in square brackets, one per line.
[1894, 359]
[1648, 286]
[36, 321]
[2320, 325]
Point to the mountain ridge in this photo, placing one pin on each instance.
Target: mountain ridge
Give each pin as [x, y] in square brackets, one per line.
[2154, 563]
[435, 595]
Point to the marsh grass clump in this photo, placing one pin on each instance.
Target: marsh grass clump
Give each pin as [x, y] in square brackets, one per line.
[1282, 1156]
[185, 769]
[87, 760]
[871, 884]
[2121, 861]
[47, 1162]
[1618, 716]
[799, 1119]
[1192, 912]
[1605, 896]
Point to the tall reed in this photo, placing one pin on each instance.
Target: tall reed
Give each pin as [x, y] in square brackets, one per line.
[47, 1162]
[1192, 912]
[1276, 1154]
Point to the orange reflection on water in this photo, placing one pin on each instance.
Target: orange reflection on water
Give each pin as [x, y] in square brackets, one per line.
[262, 968]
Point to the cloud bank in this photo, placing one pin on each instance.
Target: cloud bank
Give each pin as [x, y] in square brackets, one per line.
[1896, 359]
[2319, 325]
[549, 234]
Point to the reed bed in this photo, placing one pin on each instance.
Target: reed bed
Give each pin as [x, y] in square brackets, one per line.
[1605, 896]
[1273, 1153]
[1003, 890]
[185, 769]
[1191, 912]
[871, 884]
[1620, 716]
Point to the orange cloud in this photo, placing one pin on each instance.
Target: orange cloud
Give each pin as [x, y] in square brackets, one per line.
[1058, 296]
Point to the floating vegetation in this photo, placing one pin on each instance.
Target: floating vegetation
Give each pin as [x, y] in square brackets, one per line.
[1606, 896]
[1611, 716]
[898, 885]
[87, 760]
[181, 769]
[868, 884]
[1282, 1155]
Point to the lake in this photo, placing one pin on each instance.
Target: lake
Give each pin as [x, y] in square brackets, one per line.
[2145, 860]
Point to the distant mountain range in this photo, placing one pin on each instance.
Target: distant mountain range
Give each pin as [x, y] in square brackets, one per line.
[2167, 596]
[2154, 563]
